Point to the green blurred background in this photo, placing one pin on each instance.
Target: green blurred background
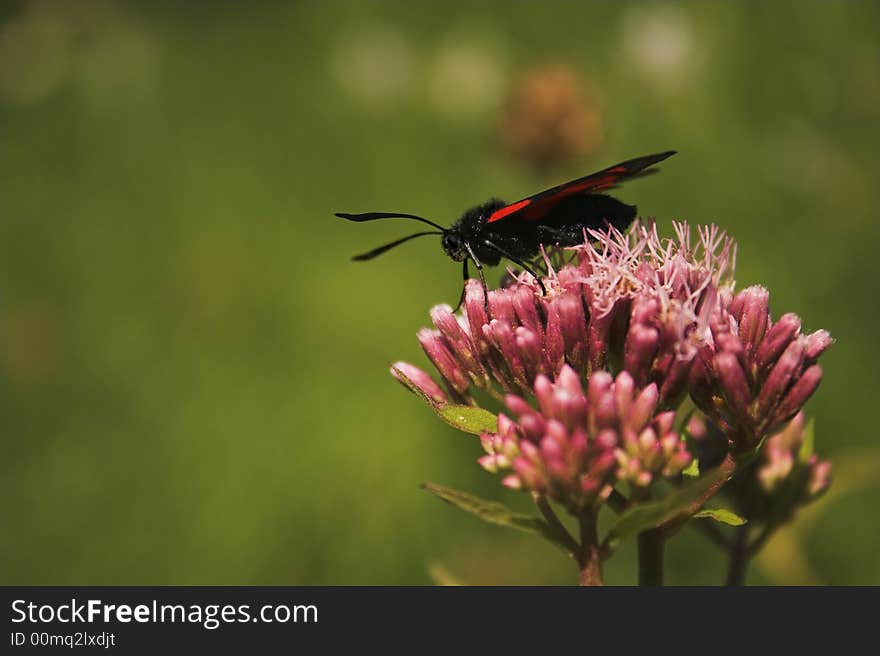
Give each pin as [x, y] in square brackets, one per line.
[194, 375]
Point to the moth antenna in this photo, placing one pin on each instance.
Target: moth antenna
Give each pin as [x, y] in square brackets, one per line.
[387, 247]
[373, 216]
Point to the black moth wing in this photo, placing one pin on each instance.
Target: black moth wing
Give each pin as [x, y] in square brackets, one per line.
[539, 206]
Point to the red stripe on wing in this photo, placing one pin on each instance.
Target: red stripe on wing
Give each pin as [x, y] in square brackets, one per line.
[497, 215]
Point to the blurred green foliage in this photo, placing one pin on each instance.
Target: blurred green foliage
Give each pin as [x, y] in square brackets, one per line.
[194, 376]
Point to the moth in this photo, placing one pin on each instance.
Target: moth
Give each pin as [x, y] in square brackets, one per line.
[495, 230]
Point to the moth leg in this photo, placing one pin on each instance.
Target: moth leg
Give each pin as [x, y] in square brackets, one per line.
[479, 266]
[464, 275]
[519, 262]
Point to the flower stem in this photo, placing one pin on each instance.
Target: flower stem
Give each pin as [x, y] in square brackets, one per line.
[564, 536]
[651, 544]
[726, 469]
[739, 558]
[590, 560]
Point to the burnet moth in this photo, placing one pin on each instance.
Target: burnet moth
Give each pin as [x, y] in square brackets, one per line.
[559, 216]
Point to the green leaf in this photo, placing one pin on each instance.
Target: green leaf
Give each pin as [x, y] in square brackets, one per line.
[645, 516]
[466, 418]
[496, 513]
[807, 446]
[492, 512]
[722, 515]
[692, 470]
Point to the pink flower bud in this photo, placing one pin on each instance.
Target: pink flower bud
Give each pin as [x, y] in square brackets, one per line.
[530, 350]
[606, 439]
[475, 311]
[570, 408]
[554, 340]
[754, 317]
[642, 409]
[420, 379]
[799, 394]
[733, 384]
[817, 343]
[624, 388]
[544, 395]
[777, 339]
[527, 310]
[449, 327]
[665, 422]
[644, 310]
[820, 477]
[501, 335]
[488, 463]
[598, 339]
[641, 346]
[777, 382]
[501, 306]
[437, 351]
[506, 427]
[512, 482]
[529, 475]
[696, 427]
[533, 426]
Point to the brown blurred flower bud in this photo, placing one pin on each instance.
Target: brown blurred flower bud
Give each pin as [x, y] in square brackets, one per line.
[550, 118]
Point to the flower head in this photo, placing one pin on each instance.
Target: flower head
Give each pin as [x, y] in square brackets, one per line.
[592, 370]
[784, 462]
[754, 375]
[630, 301]
[579, 442]
[785, 476]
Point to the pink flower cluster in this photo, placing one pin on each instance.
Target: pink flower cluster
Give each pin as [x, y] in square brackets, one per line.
[754, 375]
[637, 300]
[578, 443]
[638, 322]
[782, 463]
